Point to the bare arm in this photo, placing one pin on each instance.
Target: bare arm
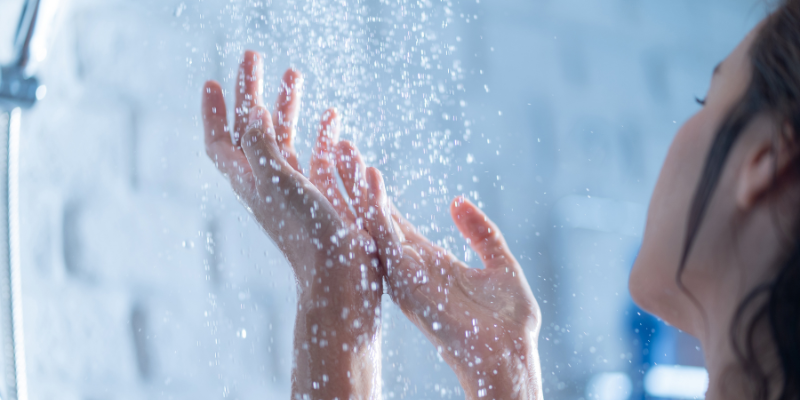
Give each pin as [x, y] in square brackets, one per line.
[485, 322]
[337, 331]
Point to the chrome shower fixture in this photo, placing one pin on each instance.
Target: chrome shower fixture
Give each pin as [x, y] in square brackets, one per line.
[19, 89]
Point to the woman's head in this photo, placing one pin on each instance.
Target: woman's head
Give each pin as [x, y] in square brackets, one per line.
[721, 251]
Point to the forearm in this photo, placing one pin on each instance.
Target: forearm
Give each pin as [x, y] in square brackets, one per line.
[335, 356]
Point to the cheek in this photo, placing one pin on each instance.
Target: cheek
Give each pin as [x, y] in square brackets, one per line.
[652, 282]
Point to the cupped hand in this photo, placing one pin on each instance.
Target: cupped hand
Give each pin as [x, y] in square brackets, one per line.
[484, 322]
[334, 259]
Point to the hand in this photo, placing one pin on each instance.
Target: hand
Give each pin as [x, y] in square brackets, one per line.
[337, 332]
[484, 322]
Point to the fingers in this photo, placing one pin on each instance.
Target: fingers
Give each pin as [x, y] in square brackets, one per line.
[261, 149]
[214, 114]
[248, 92]
[323, 170]
[352, 170]
[380, 225]
[274, 177]
[406, 268]
[287, 109]
[482, 235]
[227, 158]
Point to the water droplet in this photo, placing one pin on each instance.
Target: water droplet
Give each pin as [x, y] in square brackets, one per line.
[179, 10]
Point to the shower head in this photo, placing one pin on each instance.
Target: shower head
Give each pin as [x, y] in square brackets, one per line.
[18, 85]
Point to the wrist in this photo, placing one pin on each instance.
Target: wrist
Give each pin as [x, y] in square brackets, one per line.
[333, 358]
[512, 374]
[348, 288]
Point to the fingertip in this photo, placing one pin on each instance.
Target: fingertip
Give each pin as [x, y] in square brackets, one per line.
[211, 87]
[457, 202]
[376, 193]
[345, 148]
[214, 113]
[251, 58]
[374, 176]
[212, 96]
[250, 71]
[330, 125]
[256, 112]
[293, 76]
[329, 116]
[461, 206]
[291, 91]
[375, 181]
[259, 119]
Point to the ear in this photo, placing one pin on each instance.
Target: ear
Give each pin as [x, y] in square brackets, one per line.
[766, 164]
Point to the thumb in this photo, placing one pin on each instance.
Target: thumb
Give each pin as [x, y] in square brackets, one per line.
[404, 268]
[481, 234]
[379, 222]
[263, 154]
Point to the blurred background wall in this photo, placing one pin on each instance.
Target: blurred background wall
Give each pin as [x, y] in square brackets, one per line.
[144, 277]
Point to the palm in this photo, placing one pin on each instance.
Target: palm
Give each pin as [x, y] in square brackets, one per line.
[468, 313]
[308, 218]
[481, 321]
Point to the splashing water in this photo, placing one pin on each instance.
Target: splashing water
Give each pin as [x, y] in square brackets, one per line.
[392, 69]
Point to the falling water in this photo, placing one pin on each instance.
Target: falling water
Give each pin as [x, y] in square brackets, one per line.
[393, 69]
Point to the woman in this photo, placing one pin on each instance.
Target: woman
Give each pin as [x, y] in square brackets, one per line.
[720, 256]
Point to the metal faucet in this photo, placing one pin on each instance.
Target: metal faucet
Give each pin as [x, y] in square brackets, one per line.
[19, 89]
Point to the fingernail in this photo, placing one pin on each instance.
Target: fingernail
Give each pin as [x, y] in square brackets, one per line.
[255, 117]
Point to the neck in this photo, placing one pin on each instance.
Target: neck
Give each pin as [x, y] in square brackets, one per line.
[738, 265]
[723, 373]
[727, 377]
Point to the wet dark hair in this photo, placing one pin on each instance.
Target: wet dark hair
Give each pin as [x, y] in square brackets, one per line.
[775, 305]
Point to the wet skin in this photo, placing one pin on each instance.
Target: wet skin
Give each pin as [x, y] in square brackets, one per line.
[742, 236]
[337, 331]
[485, 322]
